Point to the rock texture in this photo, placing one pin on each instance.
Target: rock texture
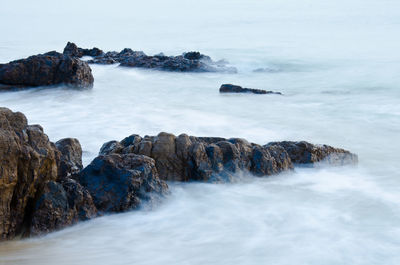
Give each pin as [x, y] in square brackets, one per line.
[187, 62]
[28, 161]
[229, 88]
[37, 194]
[51, 68]
[306, 153]
[61, 205]
[185, 158]
[119, 182]
[71, 157]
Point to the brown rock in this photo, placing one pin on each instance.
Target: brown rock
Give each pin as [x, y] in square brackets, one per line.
[28, 160]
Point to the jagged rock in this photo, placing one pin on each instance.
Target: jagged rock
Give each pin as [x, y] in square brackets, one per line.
[72, 50]
[229, 88]
[185, 158]
[307, 153]
[28, 160]
[71, 157]
[61, 205]
[187, 62]
[120, 182]
[51, 68]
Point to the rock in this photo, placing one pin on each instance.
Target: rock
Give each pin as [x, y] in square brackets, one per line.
[72, 50]
[51, 68]
[215, 159]
[61, 205]
[71, 157]
[120, 182]
[28, 161]
[307, 153]
[187, 62]
[229, 88]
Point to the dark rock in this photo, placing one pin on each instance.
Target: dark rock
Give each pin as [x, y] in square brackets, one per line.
[72, 50]
[51, 68]
[229, 88]
[61, 205]
[71, 157]
[28, 161]
[187, 62]
[307, 153]
[120, 182]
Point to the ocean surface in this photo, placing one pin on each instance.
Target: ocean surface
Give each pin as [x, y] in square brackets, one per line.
[337, 64]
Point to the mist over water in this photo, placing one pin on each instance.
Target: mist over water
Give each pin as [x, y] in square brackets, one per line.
[337, 64]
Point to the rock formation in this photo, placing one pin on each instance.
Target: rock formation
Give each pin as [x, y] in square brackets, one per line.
[187, 62]
[39, 181]
[47, 69]
[229, 88]
[184, 158]
[44, 188]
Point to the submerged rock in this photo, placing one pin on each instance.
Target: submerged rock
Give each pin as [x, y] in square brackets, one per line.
[47, 69]
[120, 182]
[185, 158]
[187, 62]
[229, 88]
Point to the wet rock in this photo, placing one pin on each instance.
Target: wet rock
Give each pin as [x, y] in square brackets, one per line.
[61, 205]
[47, 69]
[28, 161]
[120, 182]
[215, 159]
[229, 88]
[307, 153]
[71, 157]
[187, 62]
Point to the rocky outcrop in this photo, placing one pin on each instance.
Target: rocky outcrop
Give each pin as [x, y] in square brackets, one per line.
[187, 62]
[44, 188]
[72, 50]
[185, 158]
[47, 69]
[229, 88]
[120, 182]
[28, 161]
[308, 154]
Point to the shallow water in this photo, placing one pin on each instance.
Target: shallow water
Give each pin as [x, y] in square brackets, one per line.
[337, 64]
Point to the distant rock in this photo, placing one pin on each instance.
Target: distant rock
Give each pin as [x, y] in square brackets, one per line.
[72, 50]
[47, 69]
[187, 62]
[229, 88]
[214, 159]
